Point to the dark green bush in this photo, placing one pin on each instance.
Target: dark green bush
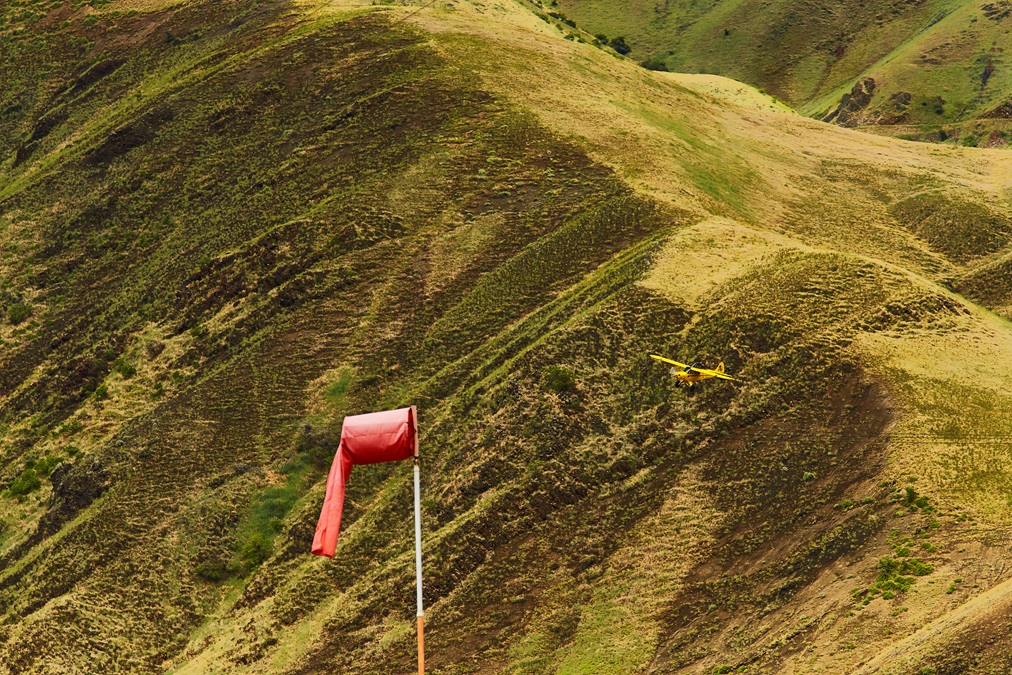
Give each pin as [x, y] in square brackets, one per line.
[27, 482]
[892, 578]
[255, 550]
[559, 379]
[655, 63]
[121, 366]
[212, 571]
[619, 45]
[18, 312]
[44, 467]
[72, 427]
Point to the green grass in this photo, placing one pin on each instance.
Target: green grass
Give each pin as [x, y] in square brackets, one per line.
[337, 390]
[812, 56]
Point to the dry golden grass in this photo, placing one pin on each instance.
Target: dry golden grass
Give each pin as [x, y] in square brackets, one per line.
[700, 258]
[758, 180]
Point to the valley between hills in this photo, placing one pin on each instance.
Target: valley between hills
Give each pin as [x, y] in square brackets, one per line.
[227, 224]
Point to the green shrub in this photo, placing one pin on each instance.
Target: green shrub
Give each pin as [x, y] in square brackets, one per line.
[559, 379]
[18, 312]
[102, 392]
[619, 45]
[121, 366]
[72, 427]
[892, 578]
[655, 63]
[27, 481]
[212, 571]
[255, 550]
[44, 467]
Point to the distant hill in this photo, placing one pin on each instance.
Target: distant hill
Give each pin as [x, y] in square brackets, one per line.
[857, 62]
[227, 224]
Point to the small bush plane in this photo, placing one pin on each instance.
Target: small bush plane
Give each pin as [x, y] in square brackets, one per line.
[689, 375]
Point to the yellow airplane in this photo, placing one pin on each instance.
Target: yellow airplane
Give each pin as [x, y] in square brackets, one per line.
[690, 375]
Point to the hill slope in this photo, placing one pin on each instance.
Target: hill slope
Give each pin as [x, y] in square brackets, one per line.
[928, 62]
[228, 224]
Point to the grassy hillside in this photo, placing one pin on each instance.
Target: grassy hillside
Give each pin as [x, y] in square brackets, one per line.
[227, 224]
[927, 64]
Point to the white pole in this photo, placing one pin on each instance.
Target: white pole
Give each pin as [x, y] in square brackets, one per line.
[418, 572]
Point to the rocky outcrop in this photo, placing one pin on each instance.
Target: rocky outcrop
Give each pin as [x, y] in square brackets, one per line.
[854, 109]
[1002, 111]
[853, 104]
[75, 487]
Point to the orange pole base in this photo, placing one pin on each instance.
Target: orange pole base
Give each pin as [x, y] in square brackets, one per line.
[421, 645]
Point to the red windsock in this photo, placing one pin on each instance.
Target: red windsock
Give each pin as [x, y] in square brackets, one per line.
[372, 438]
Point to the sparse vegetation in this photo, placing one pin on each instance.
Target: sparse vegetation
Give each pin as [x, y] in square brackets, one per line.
[316, 210]
[894, 576]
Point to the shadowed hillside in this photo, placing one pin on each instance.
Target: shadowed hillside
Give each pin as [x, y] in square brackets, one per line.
[227, 224]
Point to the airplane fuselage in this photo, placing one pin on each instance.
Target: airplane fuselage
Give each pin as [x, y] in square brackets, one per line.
[689, 378]
[689, 375]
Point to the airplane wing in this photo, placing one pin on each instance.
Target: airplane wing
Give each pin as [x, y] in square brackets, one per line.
[713, 373]
[674, 363]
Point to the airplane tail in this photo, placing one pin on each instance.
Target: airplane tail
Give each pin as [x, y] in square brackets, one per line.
[720, 368]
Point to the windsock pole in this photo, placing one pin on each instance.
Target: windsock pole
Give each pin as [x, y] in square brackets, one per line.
[418, 554]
